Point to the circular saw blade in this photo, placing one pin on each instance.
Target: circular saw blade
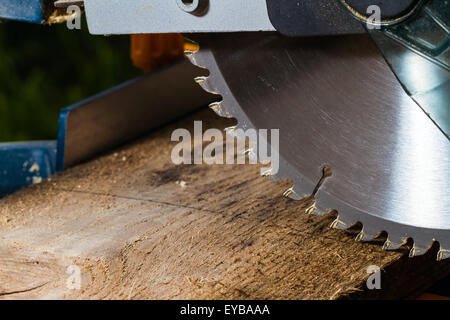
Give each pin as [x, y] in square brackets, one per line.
[337, 104]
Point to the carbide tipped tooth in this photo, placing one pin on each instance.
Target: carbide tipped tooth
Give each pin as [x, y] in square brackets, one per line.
[360, 237]
[366, 234]
[219, 110]
[192, 59]
[443, 254]
[251, 155]
[389, 245]
[205, 83]
[230, 130]
[200, 79]
[292, 194]
[315, 210]
[266, 173]
[318, 211]
[189, 53]
[289, 192]
[311, 210]
[192, 56]
[339, 224]
[215, 106]
[417, 251]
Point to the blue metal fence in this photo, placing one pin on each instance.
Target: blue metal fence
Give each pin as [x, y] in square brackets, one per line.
[25, 163]
[23, 10]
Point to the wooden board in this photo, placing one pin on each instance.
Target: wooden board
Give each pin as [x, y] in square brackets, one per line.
[138, 226]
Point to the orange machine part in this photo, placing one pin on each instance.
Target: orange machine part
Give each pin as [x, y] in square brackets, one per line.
[152, 51]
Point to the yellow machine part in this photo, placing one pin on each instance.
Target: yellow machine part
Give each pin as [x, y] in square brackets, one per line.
[152, 51]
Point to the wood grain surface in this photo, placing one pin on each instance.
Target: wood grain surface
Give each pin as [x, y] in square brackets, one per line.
[139, 227]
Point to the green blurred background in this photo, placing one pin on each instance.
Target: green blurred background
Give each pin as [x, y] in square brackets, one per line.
[46, 68]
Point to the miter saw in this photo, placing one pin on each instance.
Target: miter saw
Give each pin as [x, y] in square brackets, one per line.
[360, 90]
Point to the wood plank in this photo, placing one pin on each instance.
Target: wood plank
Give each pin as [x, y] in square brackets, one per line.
[136, 232]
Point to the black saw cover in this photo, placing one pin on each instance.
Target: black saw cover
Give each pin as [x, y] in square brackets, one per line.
[327, 17]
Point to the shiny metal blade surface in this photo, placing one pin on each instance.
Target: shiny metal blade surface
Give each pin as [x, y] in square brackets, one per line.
[338, 105]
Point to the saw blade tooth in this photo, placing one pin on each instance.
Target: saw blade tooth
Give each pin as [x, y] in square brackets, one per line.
[344, 219]
[218, 108]
[361, 237]
[302, 187]
[340, 224]
[311, 210]
[316, 211]
[294, 193]
[290, 193]
[391, 244]
[348, 216]
[206, 84]
[200, 60]
[213, 83]
[189, 54]
[253, 157]
[194, 58]
[443, 254]
[248, 152]
[367, 234]
[267, 173]
[444, 250]
[230, 130]
[419, 249]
